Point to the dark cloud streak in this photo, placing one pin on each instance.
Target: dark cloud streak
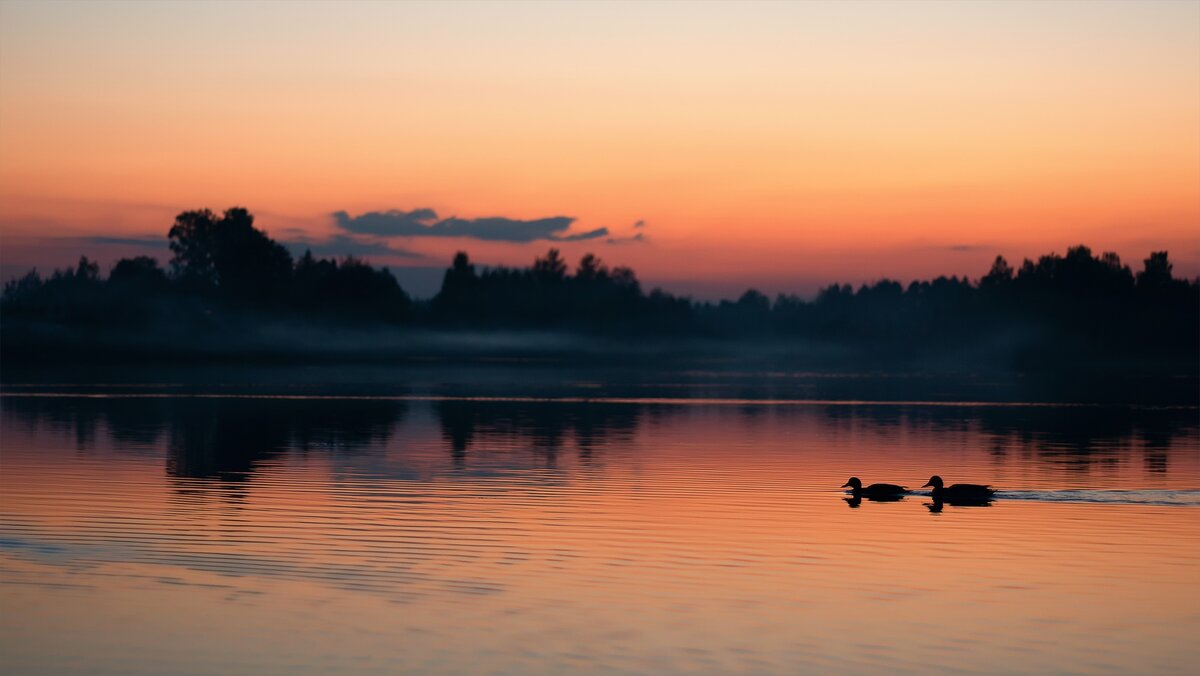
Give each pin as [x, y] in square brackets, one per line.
[345, 245]
[153, 241]
[338, 245]
[425, 223]
[590, 234]
[387, 223]
[635, 239]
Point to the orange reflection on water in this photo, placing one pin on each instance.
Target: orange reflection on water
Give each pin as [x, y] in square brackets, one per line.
[555, 537]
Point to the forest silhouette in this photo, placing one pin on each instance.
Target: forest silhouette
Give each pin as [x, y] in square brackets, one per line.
[227, 280]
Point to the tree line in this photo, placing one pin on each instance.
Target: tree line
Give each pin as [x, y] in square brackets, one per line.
[223, 270]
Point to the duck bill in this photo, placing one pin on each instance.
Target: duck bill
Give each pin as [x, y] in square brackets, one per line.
[926, 486]
[845, 485]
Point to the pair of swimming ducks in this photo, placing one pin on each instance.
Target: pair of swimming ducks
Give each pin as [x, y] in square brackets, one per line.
[940, 492]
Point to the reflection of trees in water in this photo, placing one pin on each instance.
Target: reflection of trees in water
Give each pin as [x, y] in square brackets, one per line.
[1155, 447]
[215, 437]
[131, 423]
[223, 439]
[1077, 438]
[1080, 439]
[543, 427]
[227, 438]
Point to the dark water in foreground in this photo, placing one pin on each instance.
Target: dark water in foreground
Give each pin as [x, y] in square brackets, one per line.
[226, 534]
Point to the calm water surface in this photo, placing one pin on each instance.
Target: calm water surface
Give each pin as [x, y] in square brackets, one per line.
[219, 534]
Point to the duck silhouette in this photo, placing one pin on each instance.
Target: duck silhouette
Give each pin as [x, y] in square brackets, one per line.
[875, 491]
[956, 494]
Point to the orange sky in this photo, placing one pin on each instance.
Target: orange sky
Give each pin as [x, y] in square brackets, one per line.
[782, 145]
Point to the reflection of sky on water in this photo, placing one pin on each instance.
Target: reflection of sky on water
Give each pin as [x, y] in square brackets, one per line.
[565, 536]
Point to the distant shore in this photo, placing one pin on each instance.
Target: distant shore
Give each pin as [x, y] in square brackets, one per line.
[231, 294]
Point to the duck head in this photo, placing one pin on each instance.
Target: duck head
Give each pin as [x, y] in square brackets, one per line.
[853, 483]
[935, 481]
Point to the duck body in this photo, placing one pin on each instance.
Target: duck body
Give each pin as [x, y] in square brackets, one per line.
[875, 491]
[958, 493]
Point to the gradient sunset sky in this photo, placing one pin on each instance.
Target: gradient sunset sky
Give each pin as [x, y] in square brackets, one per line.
[718, 145]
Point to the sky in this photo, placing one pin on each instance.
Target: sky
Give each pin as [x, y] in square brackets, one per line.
[710, 146]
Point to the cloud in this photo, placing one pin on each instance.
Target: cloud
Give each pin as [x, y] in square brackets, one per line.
[969, 247]
[156, 241]
[387, 223]
[337, 245]
[345, 245]
[506, 229]
[636, 239]
[425, 223]
[590, 234]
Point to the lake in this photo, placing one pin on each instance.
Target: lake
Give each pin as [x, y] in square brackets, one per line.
[523, 522]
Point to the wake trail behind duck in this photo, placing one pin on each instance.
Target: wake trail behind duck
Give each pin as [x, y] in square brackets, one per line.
[1184, 498]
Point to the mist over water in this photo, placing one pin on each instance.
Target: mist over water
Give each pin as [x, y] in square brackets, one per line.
[573, 525]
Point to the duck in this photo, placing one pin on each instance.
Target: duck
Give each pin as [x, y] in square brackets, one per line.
[955, 493]
[875, 491]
